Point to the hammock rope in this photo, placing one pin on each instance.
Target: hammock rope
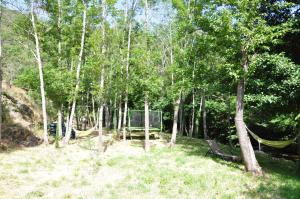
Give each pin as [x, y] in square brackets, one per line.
[272, 143]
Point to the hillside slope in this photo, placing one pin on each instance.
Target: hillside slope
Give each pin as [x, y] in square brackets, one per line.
[21, 117]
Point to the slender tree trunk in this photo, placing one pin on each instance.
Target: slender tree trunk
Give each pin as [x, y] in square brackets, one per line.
[70, 124]
[94, 111]
[125, 117]
[204, 117]
[248, 154]
[40, 65]
[115, 115]
[197, 124]
[193, 115]
[107, 117]
[59, 121]
[127, 75]
[100, 131]
[175, 122]
[59, 112]
[147, 142]
[120, 117]
[181, 116]
[59, 31]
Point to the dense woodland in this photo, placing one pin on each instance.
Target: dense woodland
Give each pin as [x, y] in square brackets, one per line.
[210, 66]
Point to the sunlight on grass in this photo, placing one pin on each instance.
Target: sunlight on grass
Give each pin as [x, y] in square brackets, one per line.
[126, 171]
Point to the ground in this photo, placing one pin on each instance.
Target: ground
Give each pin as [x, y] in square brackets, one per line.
[126, 171]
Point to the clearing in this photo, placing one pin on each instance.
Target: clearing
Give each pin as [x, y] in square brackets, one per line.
[126, 171]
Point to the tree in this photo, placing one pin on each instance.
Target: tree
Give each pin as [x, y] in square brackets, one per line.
[70, 119]
[40, 66]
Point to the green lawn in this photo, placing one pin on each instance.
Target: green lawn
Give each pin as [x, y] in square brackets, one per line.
[126, 171]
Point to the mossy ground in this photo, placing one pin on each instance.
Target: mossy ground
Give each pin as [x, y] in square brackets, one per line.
[126, 171]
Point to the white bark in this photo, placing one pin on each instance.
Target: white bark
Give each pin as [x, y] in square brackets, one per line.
[175, 122]
[59, 31]
[59, 121]
[125, 117]
[204, 118]
[40, 66]
[147, 142]
[100, 132]
[127, 66]
[70, 124]
[120, 116]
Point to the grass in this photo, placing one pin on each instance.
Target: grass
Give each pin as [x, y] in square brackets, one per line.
[126, 171]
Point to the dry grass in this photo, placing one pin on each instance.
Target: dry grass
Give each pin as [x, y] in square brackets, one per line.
[126, 171]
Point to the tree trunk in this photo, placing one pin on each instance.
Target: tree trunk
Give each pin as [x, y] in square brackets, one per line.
[107, 117]
[127, 77]
[100, 131]
[193, 115]
[181, 115]
[59, 31]
[115, 115]
[59, 121]
[125, 117]
[94, 111]
[120, 117]
[70, 124]
[40, 65]
[78, 125]
[204, 118]
[175, 122]
[147, 142]
[197, 123]
[251, 164]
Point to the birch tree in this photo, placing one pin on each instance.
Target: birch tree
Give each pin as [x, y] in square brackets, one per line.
[40, 66]
[71, 117]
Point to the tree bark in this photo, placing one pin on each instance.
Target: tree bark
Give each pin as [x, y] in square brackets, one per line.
[94, 111]
[127, 70]
[115, 115]
[120, 117]
[70, 124]
[181, 115]
[175, 122]
[193, 115]
[197, 123]
[147, 142]
[59, 31]
[100, 132]
[204, 118]
[251, 164]
[125, 117]
[41, 75]
[59, 121]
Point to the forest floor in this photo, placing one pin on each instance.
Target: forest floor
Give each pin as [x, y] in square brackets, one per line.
[126, 171]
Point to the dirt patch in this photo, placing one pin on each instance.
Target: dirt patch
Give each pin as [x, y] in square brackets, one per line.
[21, 118]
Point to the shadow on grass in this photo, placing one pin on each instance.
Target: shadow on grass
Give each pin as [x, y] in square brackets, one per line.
[281, 180]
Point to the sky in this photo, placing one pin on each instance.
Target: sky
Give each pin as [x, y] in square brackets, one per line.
[160, 13]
